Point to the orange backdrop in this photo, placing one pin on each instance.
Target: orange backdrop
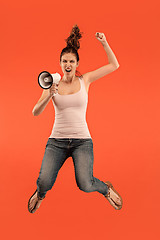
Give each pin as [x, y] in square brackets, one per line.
[122, 116]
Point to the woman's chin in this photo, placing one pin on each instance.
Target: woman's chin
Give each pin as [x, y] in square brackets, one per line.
[68, 74]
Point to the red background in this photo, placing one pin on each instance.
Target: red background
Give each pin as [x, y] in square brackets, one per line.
[122, 116]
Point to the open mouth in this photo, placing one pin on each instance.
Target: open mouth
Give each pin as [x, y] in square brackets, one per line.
[68, 70]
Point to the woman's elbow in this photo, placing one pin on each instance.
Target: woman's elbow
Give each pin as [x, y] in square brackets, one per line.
[34, 112]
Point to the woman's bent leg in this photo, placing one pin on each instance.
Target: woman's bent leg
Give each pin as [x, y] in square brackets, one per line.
[83, 158]
[54, 157]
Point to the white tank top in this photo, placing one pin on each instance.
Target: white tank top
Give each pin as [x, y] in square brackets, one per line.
[70, 114]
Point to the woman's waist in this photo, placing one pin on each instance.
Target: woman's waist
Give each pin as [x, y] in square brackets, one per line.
[70, 123]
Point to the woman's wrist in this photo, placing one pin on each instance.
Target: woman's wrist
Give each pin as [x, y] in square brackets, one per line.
[105, 43]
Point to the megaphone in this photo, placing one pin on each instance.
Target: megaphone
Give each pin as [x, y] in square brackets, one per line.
[46, 79]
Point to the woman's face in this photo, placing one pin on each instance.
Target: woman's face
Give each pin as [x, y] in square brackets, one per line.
[69, 64]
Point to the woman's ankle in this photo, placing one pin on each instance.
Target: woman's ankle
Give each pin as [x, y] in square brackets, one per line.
[40, 197]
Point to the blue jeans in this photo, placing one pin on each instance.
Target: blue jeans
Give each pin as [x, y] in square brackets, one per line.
[57, 150]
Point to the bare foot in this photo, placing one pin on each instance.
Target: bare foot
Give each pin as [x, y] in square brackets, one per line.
[34, 203]
[113, 196]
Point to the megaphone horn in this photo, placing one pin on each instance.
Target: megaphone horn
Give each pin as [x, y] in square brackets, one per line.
[46, 79]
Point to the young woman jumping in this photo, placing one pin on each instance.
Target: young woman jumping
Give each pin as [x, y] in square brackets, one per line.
[70, 135]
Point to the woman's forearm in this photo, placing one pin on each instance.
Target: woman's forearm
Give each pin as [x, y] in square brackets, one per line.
[111, 57]
[40, 106]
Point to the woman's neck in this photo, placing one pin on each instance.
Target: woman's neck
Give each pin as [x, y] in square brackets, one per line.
[69, 79]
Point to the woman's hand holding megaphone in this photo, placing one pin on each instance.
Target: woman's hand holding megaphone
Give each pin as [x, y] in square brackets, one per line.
[53, 89]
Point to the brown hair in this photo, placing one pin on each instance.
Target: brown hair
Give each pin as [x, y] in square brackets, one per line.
[73, 43]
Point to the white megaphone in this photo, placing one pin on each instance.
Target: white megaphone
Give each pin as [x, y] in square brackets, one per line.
[46, 79]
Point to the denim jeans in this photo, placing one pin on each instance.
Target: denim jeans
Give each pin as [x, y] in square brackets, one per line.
[57, 150]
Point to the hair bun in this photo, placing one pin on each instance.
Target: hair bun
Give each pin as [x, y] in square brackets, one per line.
[73, 39]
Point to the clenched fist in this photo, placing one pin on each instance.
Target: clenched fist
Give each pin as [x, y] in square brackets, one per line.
[101, 37]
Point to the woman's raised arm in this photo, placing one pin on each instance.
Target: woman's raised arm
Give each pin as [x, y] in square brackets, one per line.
[102, 71]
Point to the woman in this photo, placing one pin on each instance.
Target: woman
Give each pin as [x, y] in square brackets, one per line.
[70, 136]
